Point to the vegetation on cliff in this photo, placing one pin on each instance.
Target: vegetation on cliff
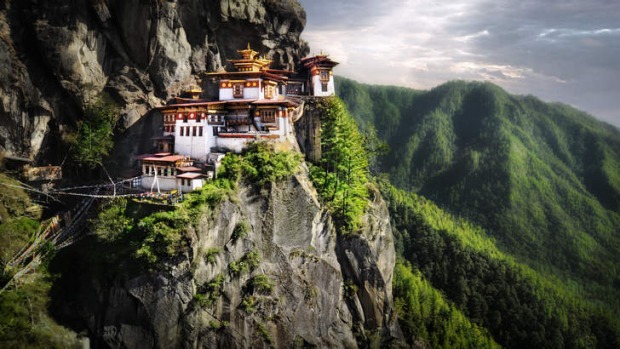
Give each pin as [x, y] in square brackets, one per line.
[24, 321]
[156, 233]
[341, 176]
[19, 220]
[260, 164]
[91, 143]
[540, 179]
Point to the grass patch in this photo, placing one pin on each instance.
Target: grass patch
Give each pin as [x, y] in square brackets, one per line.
[249, 304]
[211, 255]
[260, 283]
[241, 230]
[212, 291]
[247, 263]
[24, 322]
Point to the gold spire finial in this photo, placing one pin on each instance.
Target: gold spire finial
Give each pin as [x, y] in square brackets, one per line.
[248, 53]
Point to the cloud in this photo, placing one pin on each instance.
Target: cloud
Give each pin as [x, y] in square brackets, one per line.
[466, 38]
[556, 49]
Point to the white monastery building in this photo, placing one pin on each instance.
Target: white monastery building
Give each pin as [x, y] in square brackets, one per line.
[255, 102]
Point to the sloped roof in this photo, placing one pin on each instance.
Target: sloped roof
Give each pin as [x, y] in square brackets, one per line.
[169, 158]
[189, 169]
[190, 175]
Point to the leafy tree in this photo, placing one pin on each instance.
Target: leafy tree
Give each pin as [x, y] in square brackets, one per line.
[425, 315]
[260, 164]
[93, 140]
[342, 174]
[517, 305]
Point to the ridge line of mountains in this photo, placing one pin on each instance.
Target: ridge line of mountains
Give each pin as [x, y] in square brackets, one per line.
[505, 210]
[540, 181]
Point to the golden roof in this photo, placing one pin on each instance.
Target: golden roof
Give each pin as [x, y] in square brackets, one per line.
[248, 53]
[193, 88]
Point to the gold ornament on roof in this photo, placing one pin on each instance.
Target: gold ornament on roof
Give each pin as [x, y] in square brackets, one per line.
[248, 53]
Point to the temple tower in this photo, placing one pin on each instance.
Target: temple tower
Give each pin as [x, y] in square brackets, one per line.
[320, 75]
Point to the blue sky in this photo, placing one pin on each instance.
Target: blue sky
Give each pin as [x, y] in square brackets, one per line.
[558, 50]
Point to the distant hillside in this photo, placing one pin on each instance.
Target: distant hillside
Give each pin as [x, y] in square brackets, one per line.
[542, 179]
[518, 306]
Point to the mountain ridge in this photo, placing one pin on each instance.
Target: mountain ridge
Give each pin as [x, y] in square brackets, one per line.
[541, 179]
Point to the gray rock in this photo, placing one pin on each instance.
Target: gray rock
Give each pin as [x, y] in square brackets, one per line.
[300, 252]
[56, 56]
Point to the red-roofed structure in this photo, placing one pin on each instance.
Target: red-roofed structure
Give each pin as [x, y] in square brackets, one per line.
[255, 102]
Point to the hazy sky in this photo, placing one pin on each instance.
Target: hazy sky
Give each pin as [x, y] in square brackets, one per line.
[558, 50]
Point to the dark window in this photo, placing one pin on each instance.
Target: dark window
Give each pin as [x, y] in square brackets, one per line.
[324, 75]
[324, 87]
[198, 117]
[199, 131]
[181, 131]
[238, 90]
[268, 116]
[194, 131]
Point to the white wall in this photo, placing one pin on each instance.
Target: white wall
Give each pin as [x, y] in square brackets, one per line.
[195, 147]
[235, 145]
[194, 184]
[283, 128]
[210, 140]
[165, 183]
[226, 94]
[252, 92]
[317, 89]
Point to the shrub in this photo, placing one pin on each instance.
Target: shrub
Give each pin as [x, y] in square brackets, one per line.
[260, 283]
[248, 262]
[260, 164]
[262, 330]
[212, 291]
[350, 289]
[342, 174]
[211, 254]
[93, 140]
[241, 230]
[248, 304]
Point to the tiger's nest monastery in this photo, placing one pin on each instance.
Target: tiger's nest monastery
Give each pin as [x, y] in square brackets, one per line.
[255, 102]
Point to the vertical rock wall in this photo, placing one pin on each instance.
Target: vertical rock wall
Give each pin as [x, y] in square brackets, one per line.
[57, 55]
[308, 131]
[312, 271]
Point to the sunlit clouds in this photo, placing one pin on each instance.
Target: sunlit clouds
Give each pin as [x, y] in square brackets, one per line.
[564, 51]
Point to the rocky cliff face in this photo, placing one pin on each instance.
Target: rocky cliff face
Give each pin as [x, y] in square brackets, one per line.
[328, 291]
[55, 56]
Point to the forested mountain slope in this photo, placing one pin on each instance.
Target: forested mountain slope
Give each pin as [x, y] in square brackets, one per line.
[542, 179]
[519, 307]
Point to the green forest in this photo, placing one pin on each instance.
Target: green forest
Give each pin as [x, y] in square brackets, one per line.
[505, 212]
[341, 176]
[530, 247]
